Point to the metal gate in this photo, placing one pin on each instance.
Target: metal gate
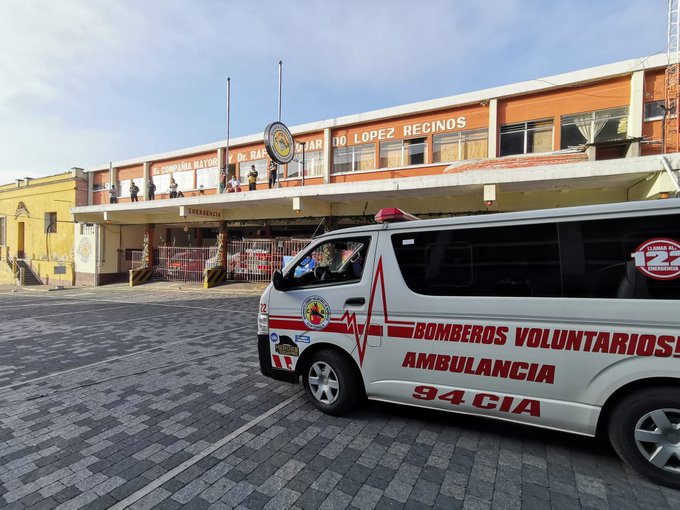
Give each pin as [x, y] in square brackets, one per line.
[254, 260]
[251, 260]
[181, 263]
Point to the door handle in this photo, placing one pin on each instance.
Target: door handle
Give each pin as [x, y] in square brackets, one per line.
[355, 301]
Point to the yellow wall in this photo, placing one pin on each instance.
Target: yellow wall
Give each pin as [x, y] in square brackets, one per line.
[50, 255]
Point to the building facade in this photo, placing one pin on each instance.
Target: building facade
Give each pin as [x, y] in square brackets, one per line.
[37, 228]
[589, 136]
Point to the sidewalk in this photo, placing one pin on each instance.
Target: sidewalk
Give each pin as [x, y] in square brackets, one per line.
[229, 288]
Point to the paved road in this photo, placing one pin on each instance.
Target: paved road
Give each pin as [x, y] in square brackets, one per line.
[152, 398]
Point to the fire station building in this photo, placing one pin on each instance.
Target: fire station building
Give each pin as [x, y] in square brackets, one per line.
[591, 136]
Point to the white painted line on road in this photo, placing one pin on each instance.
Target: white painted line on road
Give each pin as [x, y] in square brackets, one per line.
[136, 496]
[184, 340]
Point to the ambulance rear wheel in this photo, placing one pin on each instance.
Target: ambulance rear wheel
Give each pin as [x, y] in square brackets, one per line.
[330, 382]
[644, 429]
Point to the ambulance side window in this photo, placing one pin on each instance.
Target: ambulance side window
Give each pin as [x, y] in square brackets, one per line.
[337, 261]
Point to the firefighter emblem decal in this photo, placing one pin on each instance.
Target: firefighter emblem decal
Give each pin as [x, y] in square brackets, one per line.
[316, 313]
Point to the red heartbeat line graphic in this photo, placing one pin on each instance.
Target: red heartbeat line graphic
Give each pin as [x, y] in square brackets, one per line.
[348, 324]
[351, 320]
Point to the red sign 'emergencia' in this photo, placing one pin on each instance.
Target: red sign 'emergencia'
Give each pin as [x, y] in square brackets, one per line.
[658, 258]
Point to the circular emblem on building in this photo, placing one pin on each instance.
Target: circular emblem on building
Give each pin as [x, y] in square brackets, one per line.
[658, 259]
[279, 143]
[85, 249]
[316, 313]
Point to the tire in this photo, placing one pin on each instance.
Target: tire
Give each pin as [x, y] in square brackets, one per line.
[331, 382]
[644, 429]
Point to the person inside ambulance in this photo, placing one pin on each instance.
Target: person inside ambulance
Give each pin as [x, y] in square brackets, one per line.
[334, 261]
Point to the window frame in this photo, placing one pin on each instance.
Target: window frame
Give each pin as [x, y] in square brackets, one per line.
[353, 150]
[527, 127]
[307, 279]
[50, 226]
[406, 153]
[461, 137]
[658, 102]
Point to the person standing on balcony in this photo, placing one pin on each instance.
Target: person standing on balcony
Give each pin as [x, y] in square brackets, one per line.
[273, 169]
[223, 180]
[151, 190]
[134, 189]
[173, 188]
[113, 194]
[252, 178]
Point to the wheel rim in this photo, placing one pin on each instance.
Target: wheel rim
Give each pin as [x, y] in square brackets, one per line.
[657, 436]
[323, 381]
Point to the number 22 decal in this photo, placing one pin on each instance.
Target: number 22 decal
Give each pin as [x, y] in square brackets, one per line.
[263, 307]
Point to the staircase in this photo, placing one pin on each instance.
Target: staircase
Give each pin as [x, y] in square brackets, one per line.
[30, 278]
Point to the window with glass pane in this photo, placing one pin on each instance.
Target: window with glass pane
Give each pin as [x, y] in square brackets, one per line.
[654, 110]
[184, 180]
[463, 145]
[354, 159]
[527, 137]
[51, 222]
[124, 187]
[162, 183]
[591, 127]
[2, 231]
[313, 165]
[260, 166]
[207, 177]
[403, 153]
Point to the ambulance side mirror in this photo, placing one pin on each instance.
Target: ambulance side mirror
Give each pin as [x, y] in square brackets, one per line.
[278, 281]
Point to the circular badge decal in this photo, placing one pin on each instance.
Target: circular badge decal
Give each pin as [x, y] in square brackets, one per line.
[279, 143]
[658, 259]
[316, 313]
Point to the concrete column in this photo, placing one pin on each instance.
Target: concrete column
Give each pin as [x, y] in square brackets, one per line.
[113, 179]
[146, 171]
[493, 128]
[225, 240]
[90, 186]
[150, 232]
[220, 158]
[327, 155]
[636, 111]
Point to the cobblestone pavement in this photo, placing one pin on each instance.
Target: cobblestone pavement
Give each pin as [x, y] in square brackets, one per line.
[140, 398]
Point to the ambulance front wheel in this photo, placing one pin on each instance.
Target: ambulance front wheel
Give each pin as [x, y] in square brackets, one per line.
[644, 429]
[331, 382]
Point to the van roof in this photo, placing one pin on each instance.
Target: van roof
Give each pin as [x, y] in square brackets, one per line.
[617, 210]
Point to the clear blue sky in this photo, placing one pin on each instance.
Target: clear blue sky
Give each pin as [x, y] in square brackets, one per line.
[84, 82]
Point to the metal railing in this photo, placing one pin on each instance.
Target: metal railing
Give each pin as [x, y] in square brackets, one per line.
[254, 260]
[251, 260]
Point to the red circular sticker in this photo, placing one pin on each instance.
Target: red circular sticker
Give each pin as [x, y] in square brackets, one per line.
[658, 258]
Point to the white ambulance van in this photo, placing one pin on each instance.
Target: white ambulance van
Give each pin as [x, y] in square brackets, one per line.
[567, 319]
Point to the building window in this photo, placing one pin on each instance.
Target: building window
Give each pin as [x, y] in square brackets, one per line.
[527, 137]
[124, 187]
[591, 127]
[314, 165]
[50, 222]
[654, 110]
[460, 146]
[207, 177]
[403, 153]
[184, 180]
[354, 158]
[99, 186]
[162, 183]
[3, 223]
[260, 166]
